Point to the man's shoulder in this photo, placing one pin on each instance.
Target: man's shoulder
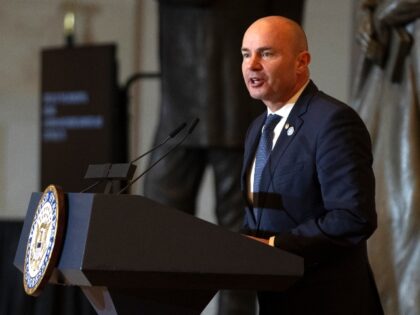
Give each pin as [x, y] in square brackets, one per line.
[325, 104]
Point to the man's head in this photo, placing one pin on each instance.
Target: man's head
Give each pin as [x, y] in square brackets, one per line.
[275, 60]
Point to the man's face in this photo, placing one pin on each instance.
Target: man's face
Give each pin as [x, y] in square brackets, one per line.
[270, 64]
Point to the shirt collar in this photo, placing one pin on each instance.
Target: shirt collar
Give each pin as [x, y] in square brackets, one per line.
[285, 110]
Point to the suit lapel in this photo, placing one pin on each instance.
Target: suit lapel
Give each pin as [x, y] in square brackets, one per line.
[252, 140]
[294, 123]
[294, 120]
[252, 143]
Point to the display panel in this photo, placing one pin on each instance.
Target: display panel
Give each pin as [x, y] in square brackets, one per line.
[82, 119]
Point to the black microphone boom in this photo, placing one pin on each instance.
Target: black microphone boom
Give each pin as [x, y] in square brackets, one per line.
[171, 135]
[190, 130]
[193, 125]
[122, 171]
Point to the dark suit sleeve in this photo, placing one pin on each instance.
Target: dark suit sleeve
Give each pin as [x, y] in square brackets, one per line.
[346, 183]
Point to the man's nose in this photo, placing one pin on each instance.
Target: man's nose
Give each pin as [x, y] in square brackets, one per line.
[254, 63]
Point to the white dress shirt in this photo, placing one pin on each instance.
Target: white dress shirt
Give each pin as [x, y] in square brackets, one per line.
[284, 112]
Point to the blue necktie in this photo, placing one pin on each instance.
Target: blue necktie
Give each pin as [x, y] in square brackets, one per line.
[263, 152]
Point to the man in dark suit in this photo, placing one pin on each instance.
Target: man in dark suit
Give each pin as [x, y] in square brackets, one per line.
[199, 42]
[307, 178]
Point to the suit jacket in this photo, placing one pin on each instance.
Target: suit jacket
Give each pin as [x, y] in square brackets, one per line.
[318, 199]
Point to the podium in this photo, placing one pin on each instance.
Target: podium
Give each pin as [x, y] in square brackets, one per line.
[132, 255]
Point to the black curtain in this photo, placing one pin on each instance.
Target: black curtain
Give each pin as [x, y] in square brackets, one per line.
[53, 300]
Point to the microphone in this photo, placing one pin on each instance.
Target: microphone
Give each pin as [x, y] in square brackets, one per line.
[123, 171]
[193, 125]
[170, 136]
[190, 130]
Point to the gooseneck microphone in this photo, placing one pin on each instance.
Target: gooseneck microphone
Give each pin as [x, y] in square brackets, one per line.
[190, 130]
[122, 171]
[170, 136]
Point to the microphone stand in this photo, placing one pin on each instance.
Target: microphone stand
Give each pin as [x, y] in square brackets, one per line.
[190, 130]
[117, 172]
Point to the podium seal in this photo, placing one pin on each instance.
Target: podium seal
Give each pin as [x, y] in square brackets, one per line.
[45, 239]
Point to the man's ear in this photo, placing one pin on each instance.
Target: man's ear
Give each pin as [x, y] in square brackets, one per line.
[303, 60]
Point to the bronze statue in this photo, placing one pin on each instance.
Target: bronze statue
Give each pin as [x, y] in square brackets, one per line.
[386, 94]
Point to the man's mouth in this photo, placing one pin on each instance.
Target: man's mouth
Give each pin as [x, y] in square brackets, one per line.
[256, 82]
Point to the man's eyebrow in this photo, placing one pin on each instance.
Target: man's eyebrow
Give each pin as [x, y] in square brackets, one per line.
[264, 49]
[258, 49]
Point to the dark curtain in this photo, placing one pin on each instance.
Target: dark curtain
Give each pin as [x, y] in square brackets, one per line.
[54, 300]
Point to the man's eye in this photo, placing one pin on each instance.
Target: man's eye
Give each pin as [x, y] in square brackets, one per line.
[245, 55]
[266, 54]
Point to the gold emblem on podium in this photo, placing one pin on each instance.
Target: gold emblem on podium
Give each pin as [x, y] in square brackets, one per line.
[44, 241]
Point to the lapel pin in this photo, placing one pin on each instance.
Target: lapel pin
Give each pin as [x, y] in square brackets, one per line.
[286, 126]
[290, 131]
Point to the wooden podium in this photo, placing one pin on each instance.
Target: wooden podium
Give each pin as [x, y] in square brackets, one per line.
[131, 255]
